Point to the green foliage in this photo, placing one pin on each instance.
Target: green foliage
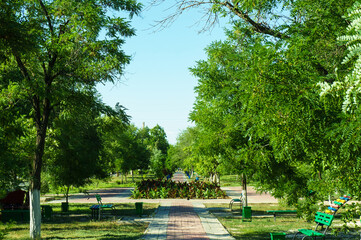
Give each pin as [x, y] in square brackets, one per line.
[56, 47]
[16, 132]
[74, 145]
[158, 144]
[169, 189]
[124, 147]
[350, 215]
[157, 161]
[180, 155]
[258, 110]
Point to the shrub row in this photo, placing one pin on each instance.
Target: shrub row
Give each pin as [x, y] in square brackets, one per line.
[151, 189]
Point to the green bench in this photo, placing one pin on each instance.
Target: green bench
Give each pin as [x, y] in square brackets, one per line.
[97, 209]
[236, 200]
[239, 200]
[322, 219]
[275, 212]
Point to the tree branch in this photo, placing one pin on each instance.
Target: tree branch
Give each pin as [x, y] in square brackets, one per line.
[21, 65]
[47, 17]
[261, 28]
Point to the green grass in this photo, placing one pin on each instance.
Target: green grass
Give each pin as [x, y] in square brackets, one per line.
[230, 181]
[263, 224]
[77, 224]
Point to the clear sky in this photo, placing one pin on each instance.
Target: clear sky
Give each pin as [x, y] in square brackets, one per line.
[157, 87]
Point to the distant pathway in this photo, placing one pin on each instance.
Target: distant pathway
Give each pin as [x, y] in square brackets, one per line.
[179, 177]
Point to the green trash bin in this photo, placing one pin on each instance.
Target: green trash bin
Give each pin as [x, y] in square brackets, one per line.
[64, 206]
[47, 212]
[139, 208]
[278, 236]
[247, 214]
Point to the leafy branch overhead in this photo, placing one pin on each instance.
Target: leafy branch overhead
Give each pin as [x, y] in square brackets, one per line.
[256, 15]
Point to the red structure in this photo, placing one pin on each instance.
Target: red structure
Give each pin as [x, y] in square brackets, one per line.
[18, 199]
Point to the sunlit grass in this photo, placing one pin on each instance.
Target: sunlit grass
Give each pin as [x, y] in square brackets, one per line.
[82, 230]
[230, 181]
[77, 224]
[263, 224]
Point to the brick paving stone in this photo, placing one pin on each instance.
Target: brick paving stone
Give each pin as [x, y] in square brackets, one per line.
[210, 223]
[184, 222]
[157, 228]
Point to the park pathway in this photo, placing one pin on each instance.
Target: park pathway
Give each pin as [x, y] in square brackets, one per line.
[183, 219]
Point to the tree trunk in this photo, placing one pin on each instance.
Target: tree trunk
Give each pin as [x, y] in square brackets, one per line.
[35, 214]
[41, 122]
[67, 194]
[132, 176]
[244, 191]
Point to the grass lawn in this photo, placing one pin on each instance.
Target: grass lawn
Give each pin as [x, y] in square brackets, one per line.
[230, 181]
[263, 224]
[77, 224]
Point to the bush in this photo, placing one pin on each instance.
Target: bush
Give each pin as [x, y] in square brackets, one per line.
[170, 189]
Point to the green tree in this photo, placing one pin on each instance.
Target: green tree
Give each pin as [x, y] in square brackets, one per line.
[183, 155]
[74, 145]
[135, 153]
[158, 139]
[343, 96]
[67, 52]
[158, 145]
[112, 128]
[258, 95]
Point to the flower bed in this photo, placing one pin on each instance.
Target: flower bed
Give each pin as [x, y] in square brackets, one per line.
[151, 189]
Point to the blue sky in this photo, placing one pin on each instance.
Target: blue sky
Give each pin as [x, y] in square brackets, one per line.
[157, 87]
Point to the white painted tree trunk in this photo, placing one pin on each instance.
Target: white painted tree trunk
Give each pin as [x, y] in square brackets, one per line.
[245, 200]
[35, 214]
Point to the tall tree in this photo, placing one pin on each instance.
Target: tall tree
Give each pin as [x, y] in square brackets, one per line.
[72, 156]
[258, 91]
[158, 144]
[343, 96]
[67, 52]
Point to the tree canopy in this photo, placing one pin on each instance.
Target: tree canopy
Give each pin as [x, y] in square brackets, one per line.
[270, 98]
[71, 44]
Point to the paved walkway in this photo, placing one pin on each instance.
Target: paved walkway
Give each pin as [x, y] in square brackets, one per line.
[183, 219]
[178, 218]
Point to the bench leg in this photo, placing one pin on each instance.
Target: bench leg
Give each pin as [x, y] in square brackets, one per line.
[294, 236]
[114, 211]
